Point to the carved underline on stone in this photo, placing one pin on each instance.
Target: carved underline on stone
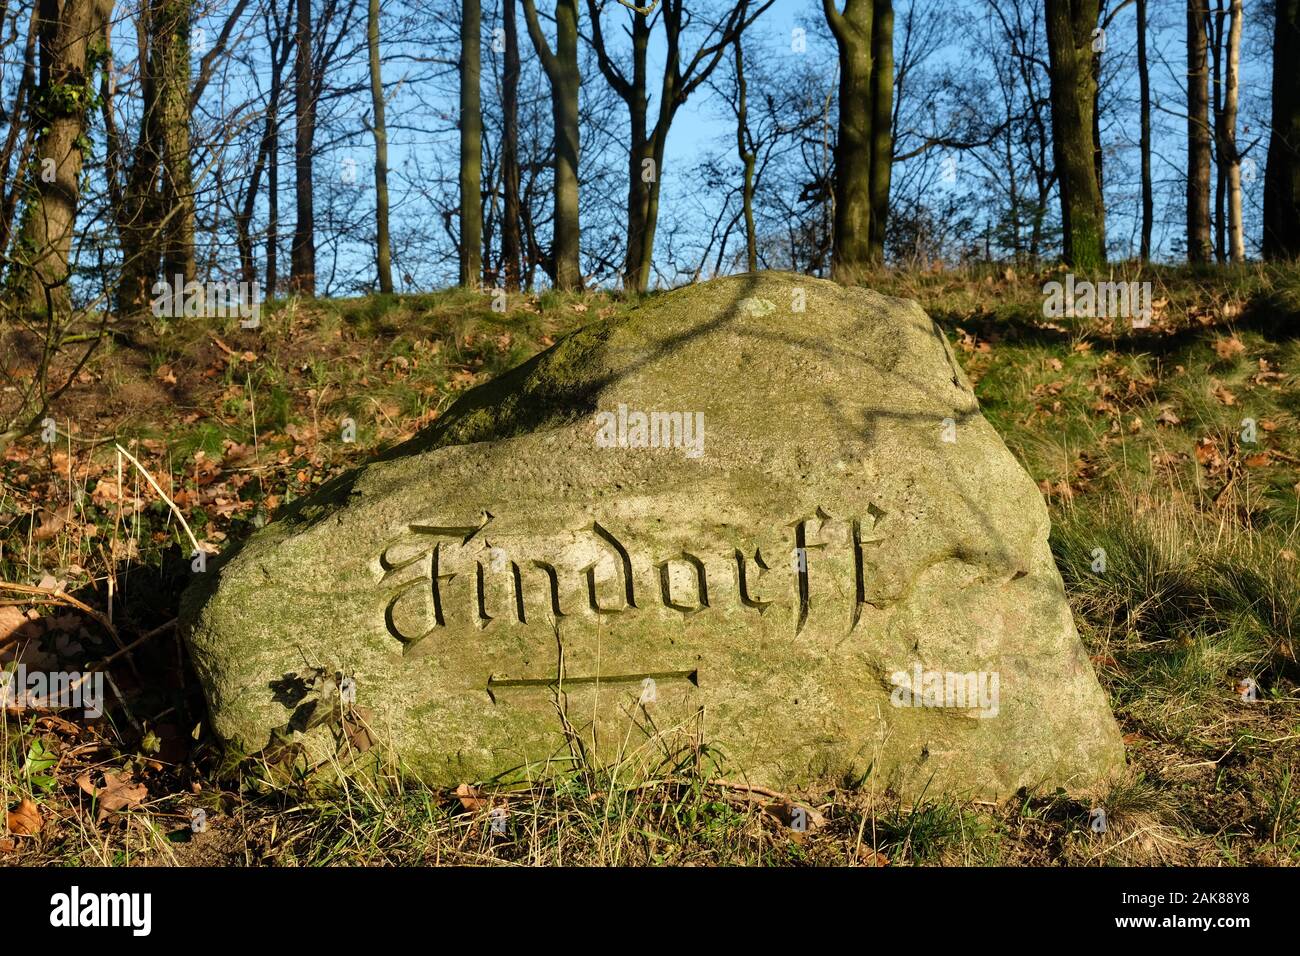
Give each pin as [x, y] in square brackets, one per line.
[495, 683]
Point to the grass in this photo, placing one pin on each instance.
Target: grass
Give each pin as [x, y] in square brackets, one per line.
[1167, 455]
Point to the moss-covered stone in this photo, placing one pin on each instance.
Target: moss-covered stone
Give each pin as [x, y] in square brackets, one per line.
[505, 584]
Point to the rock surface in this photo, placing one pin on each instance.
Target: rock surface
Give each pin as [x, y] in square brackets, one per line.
[833, 568]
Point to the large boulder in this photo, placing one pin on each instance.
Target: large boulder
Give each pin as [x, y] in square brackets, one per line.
[762, 513]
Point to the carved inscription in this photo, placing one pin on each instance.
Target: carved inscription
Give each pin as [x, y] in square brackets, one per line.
[442, 576]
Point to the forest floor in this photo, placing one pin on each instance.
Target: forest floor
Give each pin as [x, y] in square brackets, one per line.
[1137, 437]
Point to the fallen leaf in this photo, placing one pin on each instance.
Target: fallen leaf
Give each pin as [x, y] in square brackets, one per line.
[26, 820]
[11, 619]
[1207, 453]
[470, 799]
[1167, 417]
[870, 857]
[49, 582]
[51, 523]
[796, 816]
[1229, 347]
[1222, 393]
[118, 793]
[1257, 461]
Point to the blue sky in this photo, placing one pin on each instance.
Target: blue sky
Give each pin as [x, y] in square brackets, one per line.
[703, 124]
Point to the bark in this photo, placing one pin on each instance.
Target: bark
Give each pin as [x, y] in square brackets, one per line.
[138, 214]
[1199, 245]
[1217, 37]
[851, 254]
[1070, 25]
[272, 272]
[19, 138]
[471, 147]
[561, 66]
[302, 276]
[1229, 158]
[1282, 176]
[1144, 139]
[171, 38]
[511, 243]
[60, 113]
[383, 250]
[748, 158]
[882, 108]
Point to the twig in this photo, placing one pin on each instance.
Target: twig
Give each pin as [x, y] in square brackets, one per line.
[158, 488]
[61, 597]
[757, 793]
[127, 649]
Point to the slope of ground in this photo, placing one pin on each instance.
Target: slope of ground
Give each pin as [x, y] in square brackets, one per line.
[1168, 455]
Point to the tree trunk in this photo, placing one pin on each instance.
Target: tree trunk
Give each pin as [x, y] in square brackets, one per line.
[138, 214]
[20, 132]
[302, 275]
[1282, 177]
[471, 147]
[1216, 41]
[562, 71]
[511, 242]
[64, 38]
[640, 152]
[266, 161]
[646, 147]
[882, 111]
[1070, 25]
[1228, 139]
[1144, 141]
[851, 253]
[645, 261]
[171, 33]
[383, 250]
[1199, 245]
[747, 158]
[272, 272]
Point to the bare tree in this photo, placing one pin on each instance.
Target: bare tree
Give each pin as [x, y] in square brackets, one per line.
[1072, 27]
[302, 275]
[1199, 245]
[863, 145]
[1144, 136]
[70, 51]
[647, 143]
[471, 147]
[511, 241]
[383, 247]
[561, 66]
[1282, 178]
